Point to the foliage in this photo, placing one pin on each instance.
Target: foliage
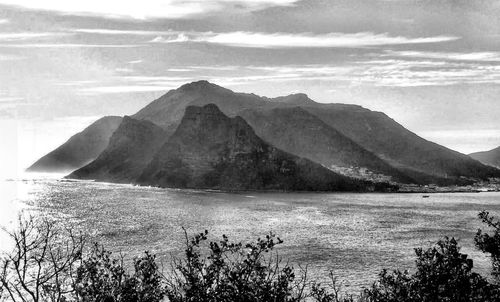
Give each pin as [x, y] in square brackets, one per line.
[103, 278]
[233, 272]
[490, 243]
[442, 274]
[42, 263]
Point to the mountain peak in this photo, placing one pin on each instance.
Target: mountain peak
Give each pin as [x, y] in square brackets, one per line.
[202, 85]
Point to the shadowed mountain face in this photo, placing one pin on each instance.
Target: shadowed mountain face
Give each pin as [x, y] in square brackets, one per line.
[80, 149]
[491, 157]
[299, 132]
[211, 150]
[130, 149]
[404, 150]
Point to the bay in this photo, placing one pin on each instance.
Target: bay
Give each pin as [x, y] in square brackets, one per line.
[353, 235]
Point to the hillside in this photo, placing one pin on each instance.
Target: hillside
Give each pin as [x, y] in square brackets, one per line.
[80, 149]
[211, 150]
[491, 157]
[299, 132]
[130, 149]
[401, 148]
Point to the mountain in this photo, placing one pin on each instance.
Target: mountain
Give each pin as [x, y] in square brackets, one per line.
[80, 149]
[377, 143]
[491, 157]
[211, 150]
[131, 148]
[416, 157]
[303, 134]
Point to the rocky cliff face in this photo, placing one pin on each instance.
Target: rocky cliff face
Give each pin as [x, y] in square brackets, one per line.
[491, 157]
[130, 150]
[80, 149]
[211, 150]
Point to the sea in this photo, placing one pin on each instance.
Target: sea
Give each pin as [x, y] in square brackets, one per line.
[352, 235]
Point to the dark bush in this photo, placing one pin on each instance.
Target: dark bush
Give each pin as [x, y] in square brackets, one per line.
[442, 274]
[227, 271]
[103, 278]
[490, 243]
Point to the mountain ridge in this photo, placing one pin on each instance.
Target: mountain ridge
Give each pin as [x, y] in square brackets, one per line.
[490, 157]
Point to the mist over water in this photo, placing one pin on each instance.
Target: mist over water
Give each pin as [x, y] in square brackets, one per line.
[355, 235]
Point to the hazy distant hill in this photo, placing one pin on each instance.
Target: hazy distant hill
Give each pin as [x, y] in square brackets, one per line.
[211, 150]
[80, 149]
[130, 149]
[301, 133]
[491, 157]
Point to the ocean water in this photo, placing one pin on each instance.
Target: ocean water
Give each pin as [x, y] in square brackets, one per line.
[353, 235]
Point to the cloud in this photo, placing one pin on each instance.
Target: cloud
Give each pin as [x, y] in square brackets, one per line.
[492, 56]
[402, 73]
[303, 40]
[68, 45]
[20, 36]
[172, 39]
[125, 89]
[179, 69]
[146, 9]
[4, 21]
[379, 72]
[104, 31]
[135, 62]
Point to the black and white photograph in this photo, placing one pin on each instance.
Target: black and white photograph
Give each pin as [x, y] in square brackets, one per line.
[250, 151]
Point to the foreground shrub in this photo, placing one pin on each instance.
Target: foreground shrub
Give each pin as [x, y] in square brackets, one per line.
[233, 272]
[103, 278]
[490, 243]
[442, 274]
[42, 265]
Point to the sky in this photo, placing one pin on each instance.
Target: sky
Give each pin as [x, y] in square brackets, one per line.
[431, 65]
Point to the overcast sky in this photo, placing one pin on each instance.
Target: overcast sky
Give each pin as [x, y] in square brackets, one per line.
[432, 65]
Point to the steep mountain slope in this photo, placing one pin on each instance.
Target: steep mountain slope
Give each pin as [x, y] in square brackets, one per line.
[401, 148]
[299, 132]
[491, 157]
[211, 150]
[130, 149]
[80, 149]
